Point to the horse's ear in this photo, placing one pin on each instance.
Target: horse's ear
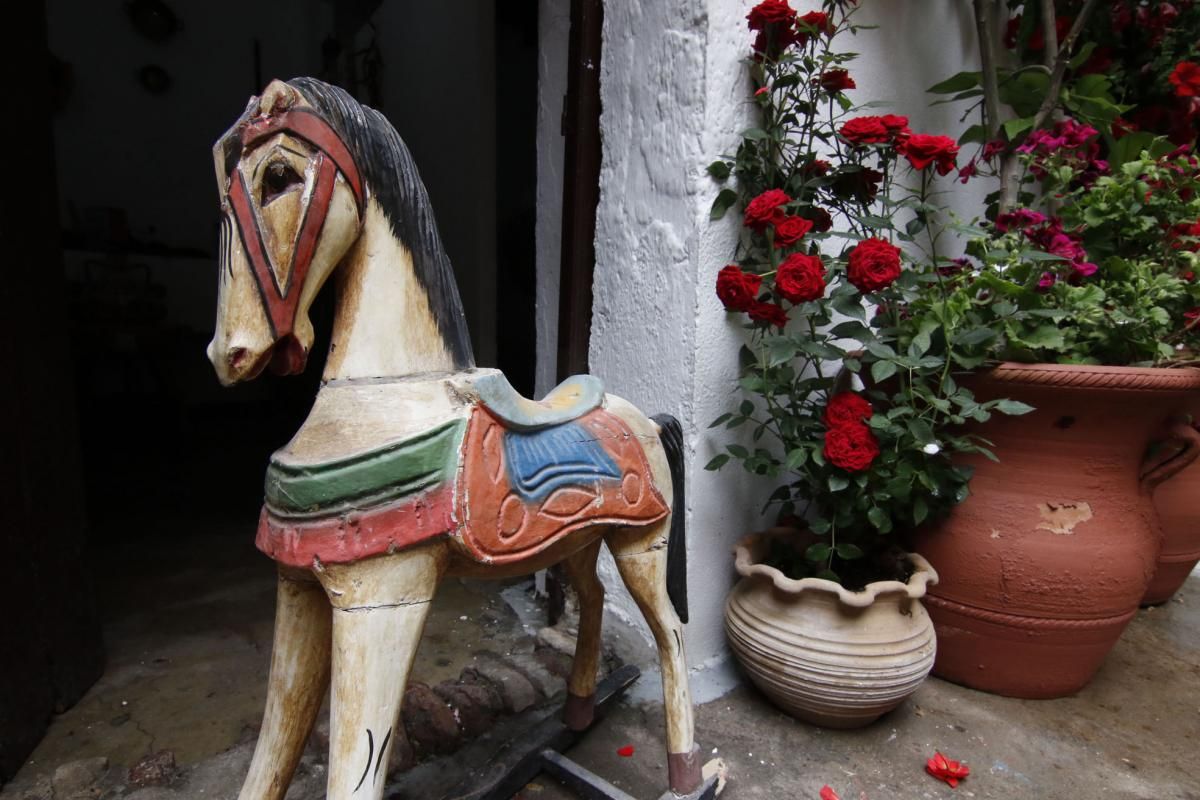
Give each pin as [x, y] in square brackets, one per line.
[277, 97]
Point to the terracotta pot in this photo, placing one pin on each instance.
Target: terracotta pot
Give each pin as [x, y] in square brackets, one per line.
[1047, 560]
[824, 654]
[1178, 504]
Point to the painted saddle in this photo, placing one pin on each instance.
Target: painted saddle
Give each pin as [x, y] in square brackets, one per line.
[503, 475]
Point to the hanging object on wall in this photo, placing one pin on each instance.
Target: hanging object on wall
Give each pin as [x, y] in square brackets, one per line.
[153, 19]
[154, 79]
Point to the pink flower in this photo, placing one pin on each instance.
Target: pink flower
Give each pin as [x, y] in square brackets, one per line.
[1047, 280]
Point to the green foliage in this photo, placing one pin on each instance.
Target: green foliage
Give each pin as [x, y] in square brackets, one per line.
[906, 340]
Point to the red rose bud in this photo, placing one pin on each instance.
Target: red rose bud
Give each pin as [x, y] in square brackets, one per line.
[800, 278]
[851, 447]
[790, 230]
[736, 289]
[770, 313]
[873, 265]
[837, 80]
[827, 793]
[819, 217]
[765, 209]
[847, 408]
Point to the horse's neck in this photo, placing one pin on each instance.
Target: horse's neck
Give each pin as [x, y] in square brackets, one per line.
[384, 326]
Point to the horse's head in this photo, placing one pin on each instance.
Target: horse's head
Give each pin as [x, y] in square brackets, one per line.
[292, 202]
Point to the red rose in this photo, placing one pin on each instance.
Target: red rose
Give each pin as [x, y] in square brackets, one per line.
[837, 80]
[865, 130]
[816, 22]
[772, 313]
[819, 217]
[790, 230]
[770, 12]
[862, 184]
[922, 149]
[765, 209]
[897, 126]
[1190, 318]
[737, 290]
[847, 408]
[800, 278]
[1186, 79]
[851, 447]
[874, 264]
[816, 167]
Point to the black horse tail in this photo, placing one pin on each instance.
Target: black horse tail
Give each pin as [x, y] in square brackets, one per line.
[671, 435]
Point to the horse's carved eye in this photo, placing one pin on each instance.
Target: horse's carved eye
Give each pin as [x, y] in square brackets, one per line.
[279, 178]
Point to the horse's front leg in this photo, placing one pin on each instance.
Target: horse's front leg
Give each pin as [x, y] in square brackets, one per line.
[299, 677]
[380, 606]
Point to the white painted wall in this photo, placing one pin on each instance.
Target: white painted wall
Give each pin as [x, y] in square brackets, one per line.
[674, 97]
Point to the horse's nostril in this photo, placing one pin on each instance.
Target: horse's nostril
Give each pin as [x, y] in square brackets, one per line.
[237, 356]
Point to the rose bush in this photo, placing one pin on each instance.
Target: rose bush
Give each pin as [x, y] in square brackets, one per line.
[838, 211]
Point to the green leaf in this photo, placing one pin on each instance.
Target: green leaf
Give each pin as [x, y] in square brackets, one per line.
[853, 329]
[829, 575]
[976, 134]
[719, 170]
[848, 551]
[838, 482]
[737, 450]
[975, 336]
[717, 462]
[879, 518]
[882, 370]
[1015, 127]
[721, 420]
[956, 83]
[849, 305]
[724, 199]
[920, 431]
[1013, 408]
[1080, 58]
[796, 458]
[755, 134]
[1044, 336]
[818, 551]
[920, 510]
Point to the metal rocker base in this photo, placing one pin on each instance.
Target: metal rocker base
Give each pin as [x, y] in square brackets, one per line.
[540, 750]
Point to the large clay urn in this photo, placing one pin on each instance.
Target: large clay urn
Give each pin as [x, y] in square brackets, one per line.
[1046, 562]
[1178, 504]
[822, 653]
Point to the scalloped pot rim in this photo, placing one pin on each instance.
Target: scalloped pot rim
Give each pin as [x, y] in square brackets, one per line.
[923, 575]
[1090, 376]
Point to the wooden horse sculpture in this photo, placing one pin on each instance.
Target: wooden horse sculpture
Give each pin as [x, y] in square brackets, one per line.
[413, 465]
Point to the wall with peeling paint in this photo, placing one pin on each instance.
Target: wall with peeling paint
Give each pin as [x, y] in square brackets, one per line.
[675, 95]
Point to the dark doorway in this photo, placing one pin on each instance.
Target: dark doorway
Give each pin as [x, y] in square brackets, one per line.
[171, 464]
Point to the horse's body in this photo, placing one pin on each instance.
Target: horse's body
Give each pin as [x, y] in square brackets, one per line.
[413, 465]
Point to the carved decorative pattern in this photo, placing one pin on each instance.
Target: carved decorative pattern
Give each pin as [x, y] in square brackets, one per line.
[500, 524]
[1137, 379]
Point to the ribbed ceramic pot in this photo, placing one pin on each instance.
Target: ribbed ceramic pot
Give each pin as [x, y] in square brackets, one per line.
[1047, 561]
[823, 654]
[1178, 504]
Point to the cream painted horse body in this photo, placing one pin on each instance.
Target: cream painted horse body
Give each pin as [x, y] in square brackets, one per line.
[413, 465]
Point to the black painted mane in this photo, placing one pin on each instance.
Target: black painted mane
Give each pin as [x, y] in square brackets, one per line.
[390, 175]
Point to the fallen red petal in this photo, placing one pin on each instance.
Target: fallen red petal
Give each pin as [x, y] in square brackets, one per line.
[827, 793]
[626, 751]
[945, 769]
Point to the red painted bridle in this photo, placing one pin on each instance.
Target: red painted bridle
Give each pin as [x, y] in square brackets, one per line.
[281, 302]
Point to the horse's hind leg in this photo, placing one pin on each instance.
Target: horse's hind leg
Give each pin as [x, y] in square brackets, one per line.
[380, 606]
[641, 557]
[581, 686]
[299, 677]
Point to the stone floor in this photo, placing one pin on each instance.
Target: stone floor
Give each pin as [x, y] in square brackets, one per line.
[189, 628]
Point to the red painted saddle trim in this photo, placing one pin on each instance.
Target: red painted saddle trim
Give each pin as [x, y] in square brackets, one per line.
[359, 534]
